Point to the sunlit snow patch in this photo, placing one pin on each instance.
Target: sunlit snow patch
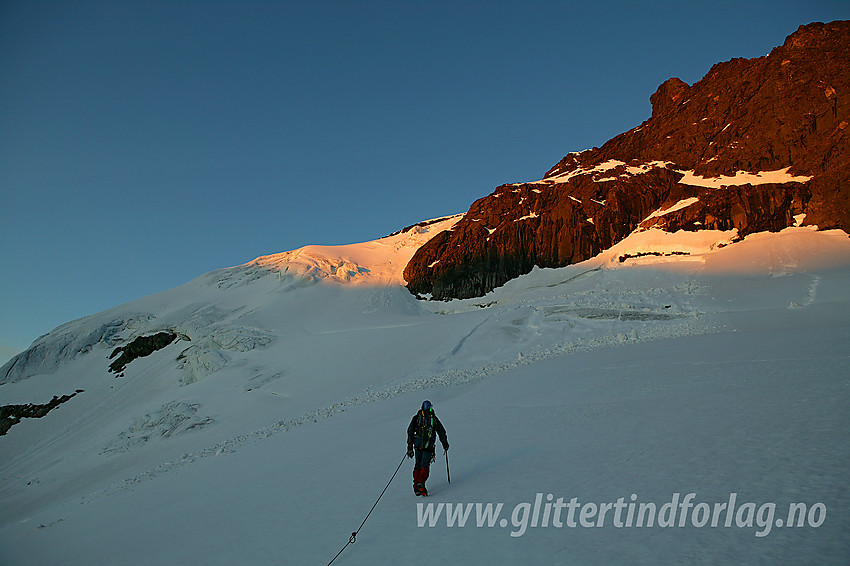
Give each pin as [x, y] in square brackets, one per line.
[611, 164]
[684, 203]
[656, 246]
[376, 262]
[742, 178]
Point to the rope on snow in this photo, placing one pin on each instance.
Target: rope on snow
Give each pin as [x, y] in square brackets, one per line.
[353, 538]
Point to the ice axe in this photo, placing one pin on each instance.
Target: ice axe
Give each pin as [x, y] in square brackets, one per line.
[448, 474]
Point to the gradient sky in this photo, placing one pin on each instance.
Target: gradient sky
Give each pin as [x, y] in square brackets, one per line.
[145, 143]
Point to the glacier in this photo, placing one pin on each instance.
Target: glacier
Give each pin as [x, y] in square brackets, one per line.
[671, 363]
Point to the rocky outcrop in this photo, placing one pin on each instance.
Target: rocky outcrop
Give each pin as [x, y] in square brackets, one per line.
[786, 113]
[746, 208]
[10, 415]
[139, 348]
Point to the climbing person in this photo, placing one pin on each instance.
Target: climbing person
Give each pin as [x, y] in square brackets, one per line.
[421, 443]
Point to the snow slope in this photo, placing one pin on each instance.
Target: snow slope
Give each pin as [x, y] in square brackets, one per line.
[379, 262]
[672, 363]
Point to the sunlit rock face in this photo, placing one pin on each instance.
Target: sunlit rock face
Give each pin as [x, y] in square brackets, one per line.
[755, 145]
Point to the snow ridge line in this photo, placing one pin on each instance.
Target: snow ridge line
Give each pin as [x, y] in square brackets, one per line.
[448, 378]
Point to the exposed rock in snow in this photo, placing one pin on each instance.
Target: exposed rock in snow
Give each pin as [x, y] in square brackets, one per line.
[139, 348]
[11, 415]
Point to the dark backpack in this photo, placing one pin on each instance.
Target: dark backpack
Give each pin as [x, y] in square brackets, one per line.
[426, 431]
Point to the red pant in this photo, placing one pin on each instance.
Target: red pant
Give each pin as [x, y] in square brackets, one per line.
[420, 474]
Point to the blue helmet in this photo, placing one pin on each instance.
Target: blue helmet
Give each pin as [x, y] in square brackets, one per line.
[426, 406]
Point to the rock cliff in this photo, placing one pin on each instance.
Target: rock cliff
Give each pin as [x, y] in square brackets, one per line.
[757, 144]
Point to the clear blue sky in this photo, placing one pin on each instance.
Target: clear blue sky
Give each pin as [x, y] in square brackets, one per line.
[145, 143]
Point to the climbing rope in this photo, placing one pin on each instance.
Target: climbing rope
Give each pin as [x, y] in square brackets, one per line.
[353, 538]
